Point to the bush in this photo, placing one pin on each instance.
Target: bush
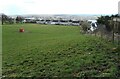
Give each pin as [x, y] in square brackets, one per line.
[85, 26]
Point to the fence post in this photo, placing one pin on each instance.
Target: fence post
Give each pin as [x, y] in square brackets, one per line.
[113, 32]
[118, 32]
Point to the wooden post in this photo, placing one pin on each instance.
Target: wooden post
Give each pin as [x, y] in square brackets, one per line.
[113, 33]
[118, 32]
[116, 26]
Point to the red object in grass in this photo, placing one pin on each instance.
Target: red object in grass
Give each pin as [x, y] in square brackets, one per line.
[21, 30]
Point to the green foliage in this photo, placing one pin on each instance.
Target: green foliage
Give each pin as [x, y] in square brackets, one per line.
[56, 51]
[19, 19]
[85, 26]
[6, 20]
[105, 20]
[108, 22]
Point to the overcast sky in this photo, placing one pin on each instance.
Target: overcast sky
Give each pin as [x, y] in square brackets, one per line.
[12, 7]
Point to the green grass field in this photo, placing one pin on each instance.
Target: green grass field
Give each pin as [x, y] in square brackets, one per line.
[0, 50]
[56, 51]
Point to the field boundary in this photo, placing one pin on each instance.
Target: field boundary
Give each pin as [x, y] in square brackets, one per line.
[0, 49]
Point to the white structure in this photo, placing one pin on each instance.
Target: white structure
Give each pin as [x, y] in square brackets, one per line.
[75, 23]
[116, 19]
[29, 19]
[14, 19]
[41, 22]
[24, 21]
[55, 22]
[64, 22]
[93, 24]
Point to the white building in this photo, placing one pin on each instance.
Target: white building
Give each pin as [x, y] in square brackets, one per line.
[75, 22]
[29, 19]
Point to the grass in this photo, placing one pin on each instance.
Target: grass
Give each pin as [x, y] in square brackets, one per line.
[0, 50]
[56, 51]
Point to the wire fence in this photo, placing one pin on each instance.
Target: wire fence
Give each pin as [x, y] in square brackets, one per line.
[113, 36]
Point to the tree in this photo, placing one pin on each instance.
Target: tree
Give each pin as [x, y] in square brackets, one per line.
[85, 26]
[11, 20]
[104, 20]
[107, 21]
[19, 19]
[4, 18]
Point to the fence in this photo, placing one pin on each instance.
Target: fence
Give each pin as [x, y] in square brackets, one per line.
[113, 36]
